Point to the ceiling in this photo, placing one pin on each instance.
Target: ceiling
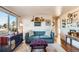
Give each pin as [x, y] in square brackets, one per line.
[40, 10]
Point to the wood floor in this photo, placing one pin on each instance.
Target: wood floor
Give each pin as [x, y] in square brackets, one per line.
[50, 48]
[26, 48]
[69, 48]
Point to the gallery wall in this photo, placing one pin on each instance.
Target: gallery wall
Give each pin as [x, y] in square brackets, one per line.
[67, 25]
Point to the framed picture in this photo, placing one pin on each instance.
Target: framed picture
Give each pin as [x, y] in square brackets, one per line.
[37, 23]
[77, 24]
[63, 23]
[69, 21]
[48, 22]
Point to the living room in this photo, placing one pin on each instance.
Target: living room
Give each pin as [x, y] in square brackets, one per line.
[40, 23]
[35, 24]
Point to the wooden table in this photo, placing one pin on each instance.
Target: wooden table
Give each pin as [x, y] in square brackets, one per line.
[71, 38]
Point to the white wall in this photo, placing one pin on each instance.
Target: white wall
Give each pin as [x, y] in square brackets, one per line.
[72, 26]
[28, 25]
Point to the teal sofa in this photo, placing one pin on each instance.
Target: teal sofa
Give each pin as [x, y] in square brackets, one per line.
[39, 35]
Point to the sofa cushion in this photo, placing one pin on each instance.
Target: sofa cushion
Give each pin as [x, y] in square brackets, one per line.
[31, 33]
[45, 37]
[49, 40]
[47, 33]
[33, 37]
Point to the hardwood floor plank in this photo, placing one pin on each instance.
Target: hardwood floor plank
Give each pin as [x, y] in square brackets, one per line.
[68, 47]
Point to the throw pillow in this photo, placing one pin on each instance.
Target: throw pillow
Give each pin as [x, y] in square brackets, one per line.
[48, 33]
[31, 33]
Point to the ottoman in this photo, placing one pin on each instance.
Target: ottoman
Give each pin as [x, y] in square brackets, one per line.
[38, 44]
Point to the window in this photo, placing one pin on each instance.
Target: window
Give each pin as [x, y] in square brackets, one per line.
[12, 23]
[3, 23]
[8, 23]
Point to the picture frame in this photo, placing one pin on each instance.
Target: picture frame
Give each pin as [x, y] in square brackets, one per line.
[48, 22]
[69, 21]
[37, 23]
[63, 23]
[77, 24]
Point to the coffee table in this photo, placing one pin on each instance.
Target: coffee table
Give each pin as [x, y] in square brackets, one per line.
[38, 44]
